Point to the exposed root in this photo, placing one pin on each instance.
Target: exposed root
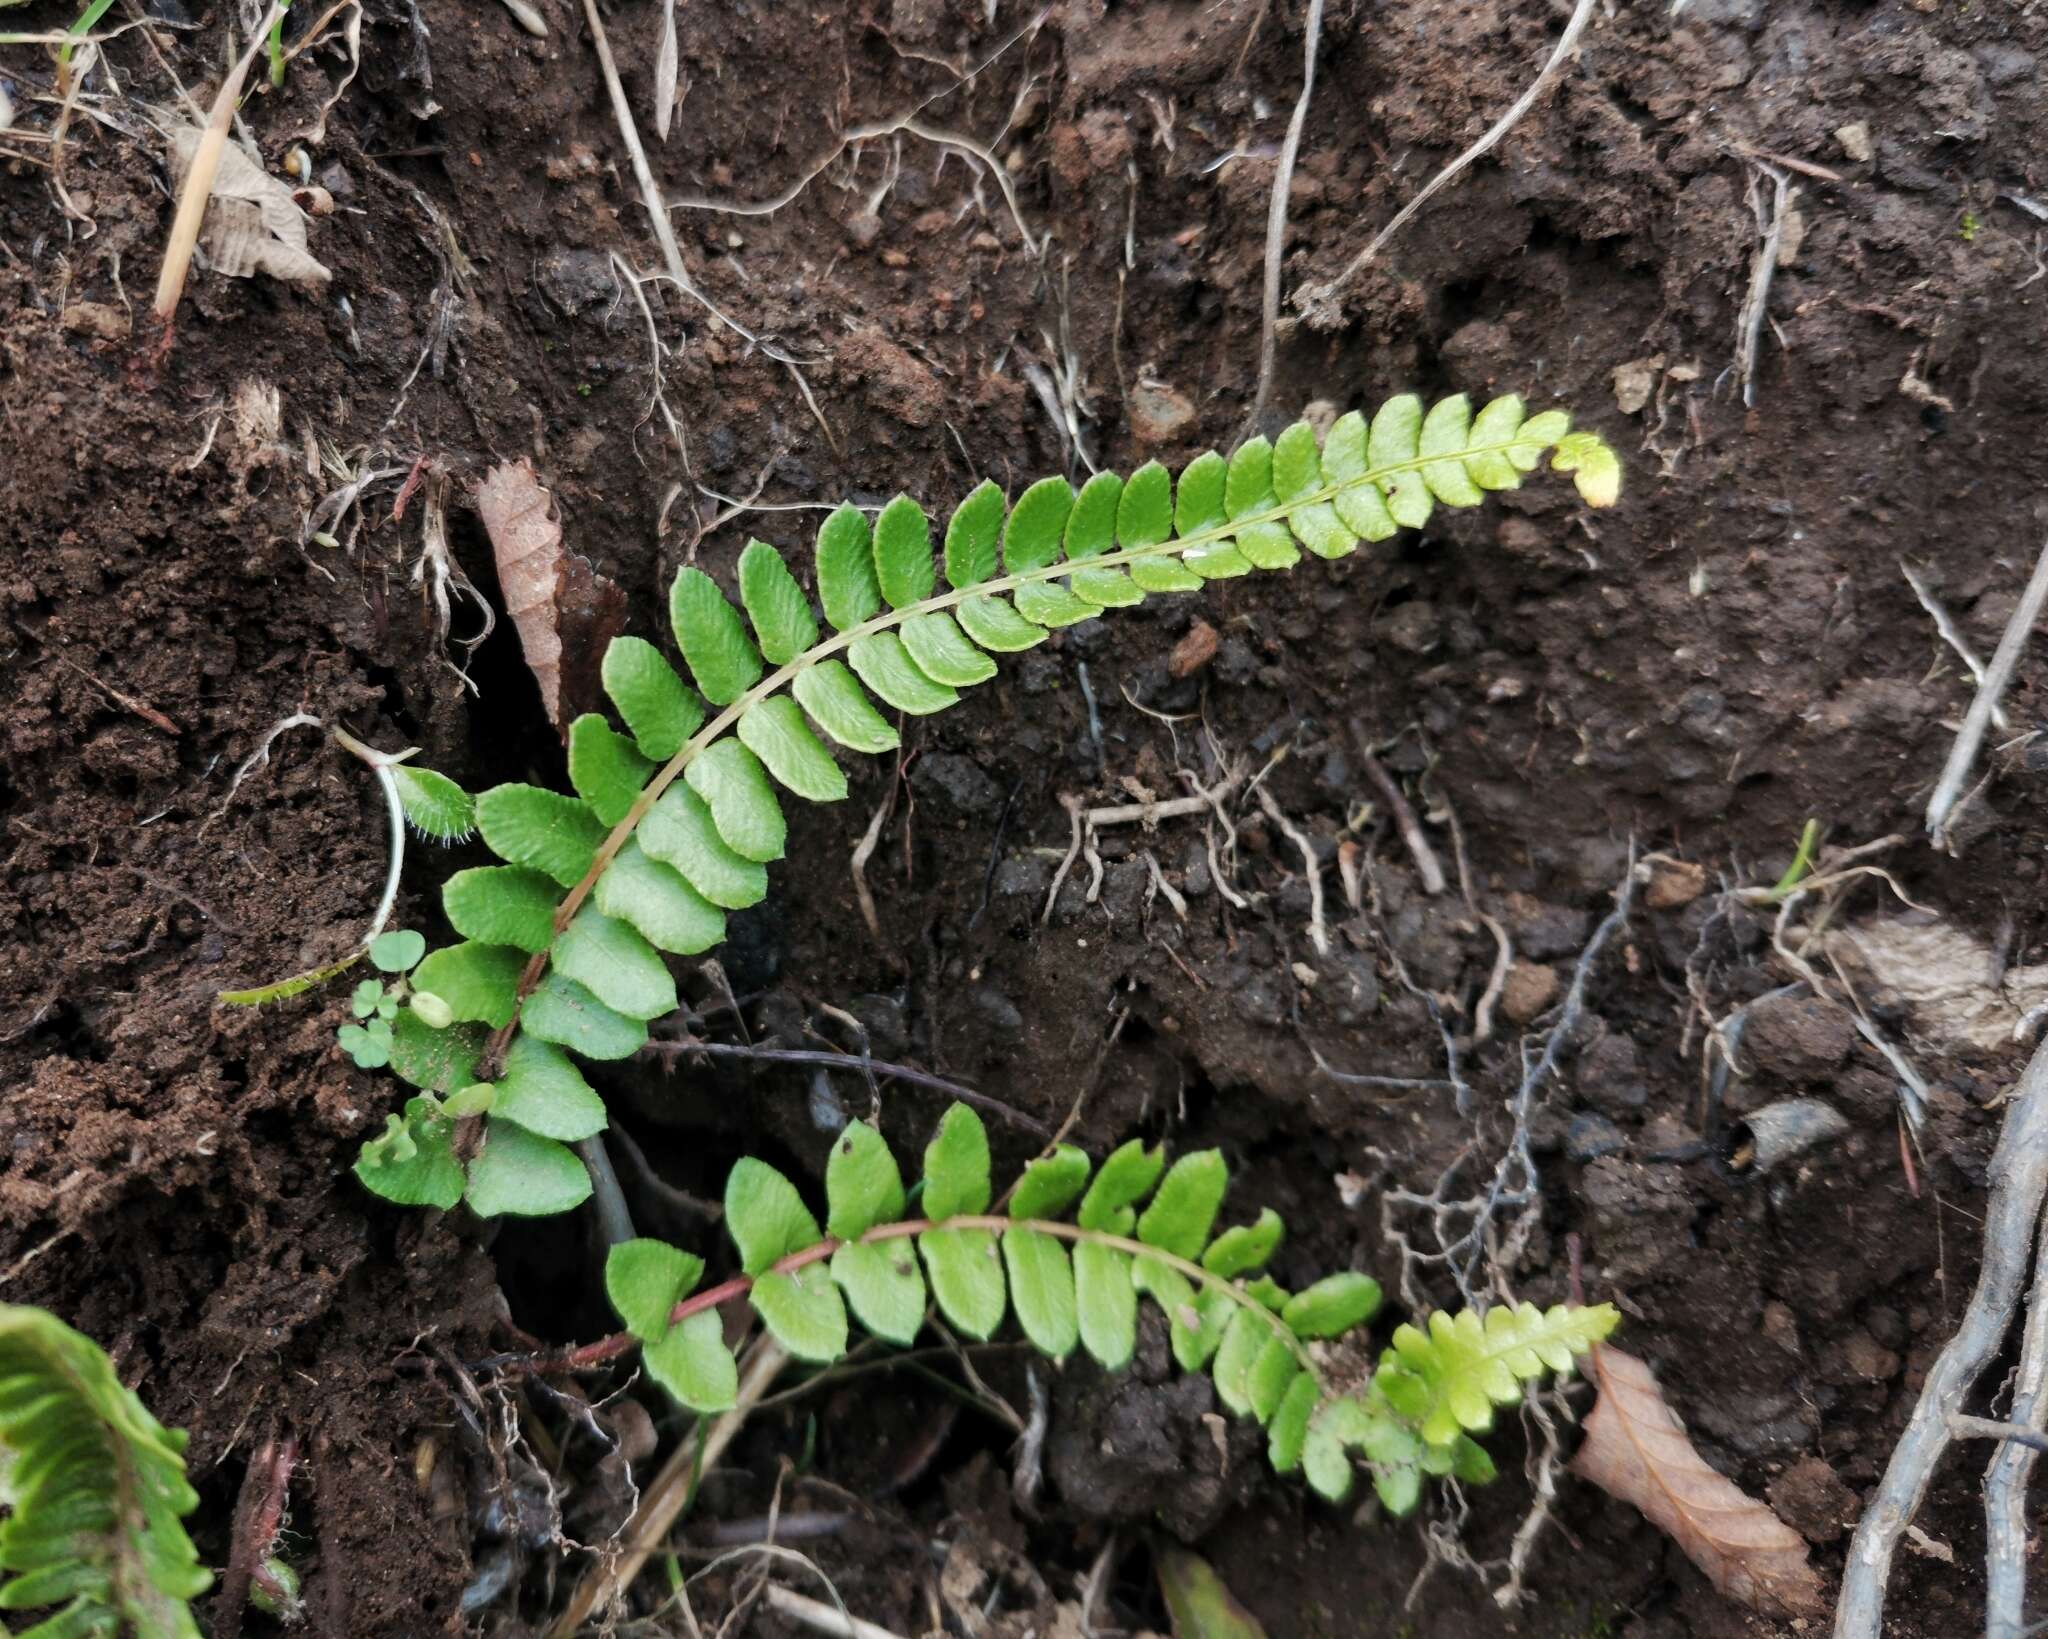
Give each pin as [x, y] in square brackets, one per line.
[1318, 303]
[1276, 210]
[1318, 927]
[1962, 757]
[2018, 1176]
[1749, 323]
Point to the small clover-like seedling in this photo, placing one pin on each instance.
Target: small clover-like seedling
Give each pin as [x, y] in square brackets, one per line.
[393, 1014]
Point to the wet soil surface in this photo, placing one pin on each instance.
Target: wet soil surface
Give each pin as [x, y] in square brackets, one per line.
[1731, 651]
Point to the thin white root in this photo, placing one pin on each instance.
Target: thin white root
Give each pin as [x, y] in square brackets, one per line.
[1318, 928]
[1276, 214]
[820, 1617]
[2018, 1177]
[2005, 661]
[1319, 299]
[1945, 628]
[260, 756]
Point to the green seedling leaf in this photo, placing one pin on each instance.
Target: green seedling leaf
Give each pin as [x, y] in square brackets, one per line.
[503, 905]
[862, 1186]
[1042, 1291]
[1182, 1213]
[396, 951]
[611, 961]
[1241, 1250]
[413, 1163]
[605, 767]
[527, 825]
[720, 655]
[435, 1061]
[520, 1174]
[653, 897]
[883, 1286]
[562, 1011]
[477, 982]
[966, 1271]
[735, 787]
[1106, 1304]
[956, 1166]
[437, 808]
[765, 1216]
[1050, 1184]
[645, 1279]
[1126, 1178]
[1332, 1306]
[804, 1312]
[776, 605]
[368, 1051]
[1197, 1601]
[660, 709]
[543, 1091]
[692, 1362]
[364, 998]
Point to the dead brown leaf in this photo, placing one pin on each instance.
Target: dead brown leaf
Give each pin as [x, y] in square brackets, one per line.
[1637, 1449]
[526, 540]
[252, 224]
[566, 613]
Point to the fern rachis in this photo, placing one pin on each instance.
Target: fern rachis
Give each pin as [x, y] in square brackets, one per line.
[1141, 1230]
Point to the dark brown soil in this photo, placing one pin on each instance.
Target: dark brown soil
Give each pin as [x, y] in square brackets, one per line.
[1727, 653]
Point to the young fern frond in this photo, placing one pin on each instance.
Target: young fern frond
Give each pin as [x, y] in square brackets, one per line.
[93, 1489]
[1139, 1229]
[675, 821]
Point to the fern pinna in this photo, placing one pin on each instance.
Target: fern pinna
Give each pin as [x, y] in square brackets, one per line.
[1139, 1229]
[675, 821]
[93, 1490]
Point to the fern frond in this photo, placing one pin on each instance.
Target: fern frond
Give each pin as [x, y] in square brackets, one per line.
[1070, 1284]
[675, 821]
[1448, 1379]
[94, 1489]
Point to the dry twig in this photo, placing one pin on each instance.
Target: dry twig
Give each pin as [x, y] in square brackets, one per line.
[2018, 1177]
[1276, 211]
[1962, 755]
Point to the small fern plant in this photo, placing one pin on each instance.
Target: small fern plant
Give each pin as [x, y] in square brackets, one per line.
[675, 821]
[93, 1491]
[1139, 1229]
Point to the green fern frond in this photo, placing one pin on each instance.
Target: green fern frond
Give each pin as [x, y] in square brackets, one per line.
[1072, 1285]
[675, 821]
[1448, 1379]
[93, 1488]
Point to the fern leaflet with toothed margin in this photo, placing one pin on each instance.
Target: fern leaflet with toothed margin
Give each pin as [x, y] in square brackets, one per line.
[93, 1489]
[675, 820]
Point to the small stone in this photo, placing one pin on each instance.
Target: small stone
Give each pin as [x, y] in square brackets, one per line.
[1194, 651]
[863, 230]
[1635, 381]
[959, 781]
[1545, 932]
[579, 160]
[1610, 1076]
[1413, 627]
[1674, 882]
[997, 1011]
[1529, 988]
[1868, 1358]
[1799, 1038]
[1588, 1137]
[575, 281]
[1023, 876]
[1855, 141]
[100, 320]
[1811, 1498]
[1157, 413]
[1781, 1326]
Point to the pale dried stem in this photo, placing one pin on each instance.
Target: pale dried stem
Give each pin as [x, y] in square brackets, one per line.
[1321, 295]
[2018, 1176]
[669, 1494]
[1749, 324]
[1318, 927]
[199, 180]
[1276, 212]
[2004, 662]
